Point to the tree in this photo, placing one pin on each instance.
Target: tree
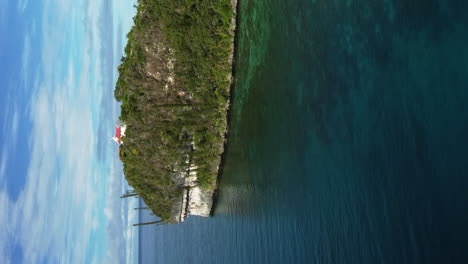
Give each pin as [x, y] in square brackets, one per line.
[160, 222]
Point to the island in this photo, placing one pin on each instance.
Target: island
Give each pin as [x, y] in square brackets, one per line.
[174, 87]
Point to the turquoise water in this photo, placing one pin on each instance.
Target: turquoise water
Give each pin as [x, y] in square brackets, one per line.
[347, 141]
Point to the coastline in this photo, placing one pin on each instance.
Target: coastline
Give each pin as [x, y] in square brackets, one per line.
[195, 200]
[235, 28]
[175, 85]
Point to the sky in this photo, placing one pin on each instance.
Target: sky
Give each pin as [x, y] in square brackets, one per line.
[60, 177]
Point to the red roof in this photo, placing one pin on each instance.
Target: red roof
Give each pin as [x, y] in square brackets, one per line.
[117, 132]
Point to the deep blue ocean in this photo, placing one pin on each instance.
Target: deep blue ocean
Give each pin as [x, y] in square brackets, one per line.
[348, 139]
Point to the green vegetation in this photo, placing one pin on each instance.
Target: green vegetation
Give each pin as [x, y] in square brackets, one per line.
[174, 88]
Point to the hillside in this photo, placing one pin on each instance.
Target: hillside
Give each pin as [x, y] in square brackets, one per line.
[174, 84]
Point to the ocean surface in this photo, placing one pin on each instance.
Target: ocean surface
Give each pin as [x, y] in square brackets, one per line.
[348, 139]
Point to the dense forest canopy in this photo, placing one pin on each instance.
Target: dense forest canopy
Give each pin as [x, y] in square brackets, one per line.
[174, 85]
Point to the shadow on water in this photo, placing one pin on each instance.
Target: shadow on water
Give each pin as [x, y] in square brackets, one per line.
[346, 140]
[230, 112]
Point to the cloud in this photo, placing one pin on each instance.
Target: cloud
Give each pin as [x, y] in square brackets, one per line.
[7, 113]
[47, 219]
[10, 132]
[21, 5]
[3, 163]
[58, 212]
[26, 57]
[6, 230]
[115, 237]
[15, 124]
[131, 236]
[102, 28]
[69, 210]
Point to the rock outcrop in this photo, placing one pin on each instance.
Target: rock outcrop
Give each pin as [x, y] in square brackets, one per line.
[174, 86]
[196, 200]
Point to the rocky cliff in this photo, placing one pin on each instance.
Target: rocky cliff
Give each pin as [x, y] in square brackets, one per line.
[197, 200]
[174, 86]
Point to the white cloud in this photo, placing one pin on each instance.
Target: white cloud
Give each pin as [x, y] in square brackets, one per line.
[13, 136]
[131, 237]
[15, 123]
[56, 213]
[25, 58]
[48, 218]
[6, 234]
[3, 162]
[7, 114]
[10, 133]
[21, 5]
[115, 236]
[67, 198]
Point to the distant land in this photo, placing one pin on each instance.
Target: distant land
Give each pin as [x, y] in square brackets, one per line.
[174, 85]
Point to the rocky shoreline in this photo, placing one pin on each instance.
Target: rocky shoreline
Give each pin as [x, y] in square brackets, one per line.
[195, 199]
[174, 87]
